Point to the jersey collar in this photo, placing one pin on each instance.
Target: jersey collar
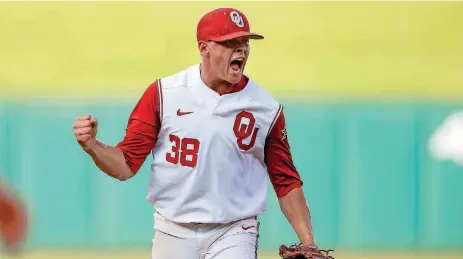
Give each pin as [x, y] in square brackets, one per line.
[196, 76]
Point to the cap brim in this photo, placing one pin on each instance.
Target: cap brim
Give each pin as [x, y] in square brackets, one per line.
[239, 34]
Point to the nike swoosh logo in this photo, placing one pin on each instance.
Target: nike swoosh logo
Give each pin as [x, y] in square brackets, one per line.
[247, 227]
[180, 113]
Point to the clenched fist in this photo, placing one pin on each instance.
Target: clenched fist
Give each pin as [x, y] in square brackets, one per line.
[85, 129]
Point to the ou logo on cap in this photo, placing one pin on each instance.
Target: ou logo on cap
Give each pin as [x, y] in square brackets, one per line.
[236, 18]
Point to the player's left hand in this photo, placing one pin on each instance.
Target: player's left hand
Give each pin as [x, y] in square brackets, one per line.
[303, 252]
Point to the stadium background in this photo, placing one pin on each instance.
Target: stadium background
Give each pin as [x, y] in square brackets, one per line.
[364, 84]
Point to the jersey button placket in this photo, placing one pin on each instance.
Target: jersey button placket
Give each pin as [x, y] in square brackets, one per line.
[217, 100]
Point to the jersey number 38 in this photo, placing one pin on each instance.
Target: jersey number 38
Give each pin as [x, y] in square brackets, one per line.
[185, 150]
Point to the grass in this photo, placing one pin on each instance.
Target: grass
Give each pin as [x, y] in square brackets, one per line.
[352, 49]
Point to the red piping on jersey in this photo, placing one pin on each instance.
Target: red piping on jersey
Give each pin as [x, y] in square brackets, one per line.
[277, 115]
[160, 103]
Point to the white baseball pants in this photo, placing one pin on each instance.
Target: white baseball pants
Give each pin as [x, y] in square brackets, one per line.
[236, 240]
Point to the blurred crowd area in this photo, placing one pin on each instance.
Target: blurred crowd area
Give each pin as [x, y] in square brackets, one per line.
[364, 84]
[331, 49]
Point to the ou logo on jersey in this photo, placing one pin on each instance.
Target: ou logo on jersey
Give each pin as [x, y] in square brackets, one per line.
[244, 128]
[237, 18]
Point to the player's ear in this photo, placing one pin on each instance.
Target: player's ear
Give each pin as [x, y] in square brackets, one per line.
[203, 48]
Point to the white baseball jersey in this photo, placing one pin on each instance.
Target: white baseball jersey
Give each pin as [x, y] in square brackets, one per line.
[208, 162]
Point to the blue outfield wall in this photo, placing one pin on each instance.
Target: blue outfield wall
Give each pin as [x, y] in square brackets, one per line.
[369, 180]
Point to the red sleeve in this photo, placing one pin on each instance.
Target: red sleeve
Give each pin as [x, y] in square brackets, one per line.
[280, 166]
[142, 129]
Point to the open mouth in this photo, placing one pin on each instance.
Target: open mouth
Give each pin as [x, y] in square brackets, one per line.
[237, 64]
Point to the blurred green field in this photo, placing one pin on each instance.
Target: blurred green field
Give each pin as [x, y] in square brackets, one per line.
[145, 255]
[338, 49]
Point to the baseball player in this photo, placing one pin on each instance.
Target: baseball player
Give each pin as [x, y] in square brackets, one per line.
[215, 136]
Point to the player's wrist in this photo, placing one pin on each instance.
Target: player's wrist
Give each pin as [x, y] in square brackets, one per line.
[91, 146]
[308, 240]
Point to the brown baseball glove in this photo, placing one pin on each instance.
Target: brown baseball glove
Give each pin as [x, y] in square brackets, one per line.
[304, 252]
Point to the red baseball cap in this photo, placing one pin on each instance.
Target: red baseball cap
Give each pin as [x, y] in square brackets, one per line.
[224, 24]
